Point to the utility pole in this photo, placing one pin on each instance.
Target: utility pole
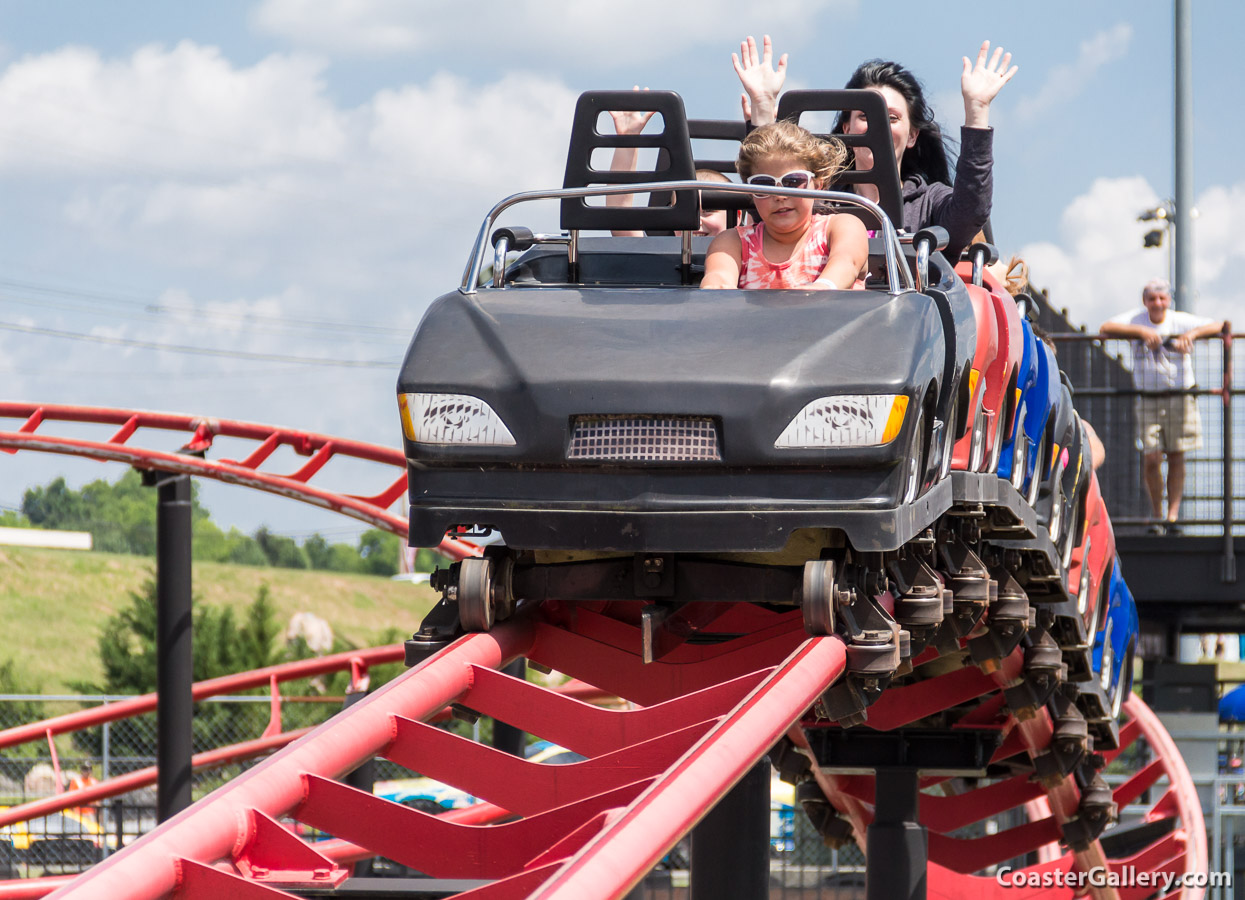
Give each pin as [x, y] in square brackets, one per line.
[1182, 289]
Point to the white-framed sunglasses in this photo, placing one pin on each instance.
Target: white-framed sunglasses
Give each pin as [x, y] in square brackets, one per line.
[797, 180]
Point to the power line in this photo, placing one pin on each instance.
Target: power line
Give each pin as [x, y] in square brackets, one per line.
[155, 308]
[196, 351]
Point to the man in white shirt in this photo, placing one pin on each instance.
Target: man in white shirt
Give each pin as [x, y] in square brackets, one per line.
[1167, 416]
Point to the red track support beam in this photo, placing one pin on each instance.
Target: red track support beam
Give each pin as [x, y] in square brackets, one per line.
[210, 830]
[619, 856]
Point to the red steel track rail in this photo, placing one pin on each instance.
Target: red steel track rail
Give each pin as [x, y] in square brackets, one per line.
[587, 829]
[191, 459]
[701, 716]
[946, 808]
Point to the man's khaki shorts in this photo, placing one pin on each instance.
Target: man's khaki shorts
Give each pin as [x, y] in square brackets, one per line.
[1169, 423]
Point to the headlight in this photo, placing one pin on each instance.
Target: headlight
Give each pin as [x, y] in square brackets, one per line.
[850, 420]
[452, 419]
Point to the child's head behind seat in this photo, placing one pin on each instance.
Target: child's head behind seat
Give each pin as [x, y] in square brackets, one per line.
[712, 221]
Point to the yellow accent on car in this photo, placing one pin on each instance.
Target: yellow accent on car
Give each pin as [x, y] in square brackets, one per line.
[408, 427]
[895, 420]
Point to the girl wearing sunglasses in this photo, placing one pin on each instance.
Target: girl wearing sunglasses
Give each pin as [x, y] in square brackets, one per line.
[790, 247]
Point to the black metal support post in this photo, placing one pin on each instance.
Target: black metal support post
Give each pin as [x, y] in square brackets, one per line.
[897, 844]
[364, 777]
[174, 663]
[730, 845]
[506, 737]
[118, 821]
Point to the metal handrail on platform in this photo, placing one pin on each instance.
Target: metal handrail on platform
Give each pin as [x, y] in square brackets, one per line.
[1100, 372]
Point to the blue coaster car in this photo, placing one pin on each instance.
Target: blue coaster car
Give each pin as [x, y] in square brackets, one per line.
[1115, 644]
[1033, 441]
[1016, 451]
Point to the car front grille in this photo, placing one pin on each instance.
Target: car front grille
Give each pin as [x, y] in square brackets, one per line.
[644, 439]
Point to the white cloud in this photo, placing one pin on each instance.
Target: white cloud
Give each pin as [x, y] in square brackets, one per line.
[174, 197]
[1065, 82]
[605, 32]
[169, 111]
[176, 155]
[1099, 265]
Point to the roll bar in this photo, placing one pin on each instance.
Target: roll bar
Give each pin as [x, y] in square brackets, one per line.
[898, 276]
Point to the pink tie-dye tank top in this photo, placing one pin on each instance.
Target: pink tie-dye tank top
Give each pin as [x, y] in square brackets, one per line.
[806, 262]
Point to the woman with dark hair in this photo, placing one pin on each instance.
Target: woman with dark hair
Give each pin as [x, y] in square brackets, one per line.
[928, 195]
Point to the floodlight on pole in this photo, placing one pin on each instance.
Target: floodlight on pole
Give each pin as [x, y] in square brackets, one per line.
[1163, 215]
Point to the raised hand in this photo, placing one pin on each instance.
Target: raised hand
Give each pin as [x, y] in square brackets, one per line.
[981, 83]
[626, 121]
[630, 121]
[761, 80]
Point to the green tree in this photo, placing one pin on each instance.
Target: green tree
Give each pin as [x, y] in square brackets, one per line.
[375, 554]
[54, 506]
[223, 643]
[121, 516]
[245, 550]
[319, 551]
[260, 633]
[19, 712]
[427, 560]
[220, 646]
[379, 551]
[280, 551]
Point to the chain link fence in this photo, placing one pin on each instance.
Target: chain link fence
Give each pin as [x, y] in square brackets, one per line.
[78, 837]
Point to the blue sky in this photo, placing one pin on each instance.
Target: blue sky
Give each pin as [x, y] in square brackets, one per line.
[223, 174]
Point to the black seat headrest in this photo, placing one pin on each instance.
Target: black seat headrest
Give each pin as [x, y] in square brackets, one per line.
[675, 163]
[885, 174]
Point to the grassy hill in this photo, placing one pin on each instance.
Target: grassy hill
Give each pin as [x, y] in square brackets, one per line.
[54, 603]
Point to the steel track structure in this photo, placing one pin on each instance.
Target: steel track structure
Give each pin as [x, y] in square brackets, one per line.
[191, 457]
[743, 681]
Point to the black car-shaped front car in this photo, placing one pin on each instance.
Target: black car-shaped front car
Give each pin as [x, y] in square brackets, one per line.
[591, 406]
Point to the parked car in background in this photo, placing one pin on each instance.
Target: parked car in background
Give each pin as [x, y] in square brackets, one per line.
[67, 840]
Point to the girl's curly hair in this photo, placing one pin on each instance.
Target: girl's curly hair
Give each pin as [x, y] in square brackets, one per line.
[824, 158]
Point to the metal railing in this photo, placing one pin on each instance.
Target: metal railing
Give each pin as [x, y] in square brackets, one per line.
[1223, 798]
[898, 275]
[1100, 370]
